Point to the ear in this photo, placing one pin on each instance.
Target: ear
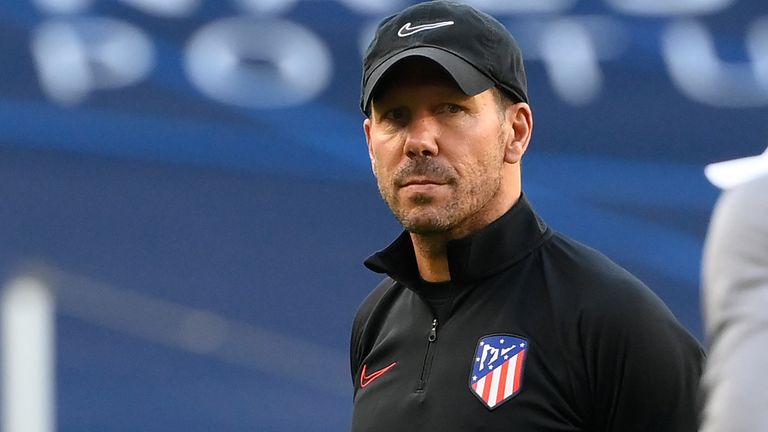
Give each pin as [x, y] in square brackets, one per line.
[519, 120]
[367, 129]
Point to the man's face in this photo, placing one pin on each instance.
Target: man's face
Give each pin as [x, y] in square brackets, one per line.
[438, 154]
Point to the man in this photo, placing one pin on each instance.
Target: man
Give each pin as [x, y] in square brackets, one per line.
[487, 319]
[735, 297]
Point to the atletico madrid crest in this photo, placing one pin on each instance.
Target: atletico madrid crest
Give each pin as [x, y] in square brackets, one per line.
[497, 371]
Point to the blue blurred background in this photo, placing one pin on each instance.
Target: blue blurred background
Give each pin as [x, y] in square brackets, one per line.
[192, 178]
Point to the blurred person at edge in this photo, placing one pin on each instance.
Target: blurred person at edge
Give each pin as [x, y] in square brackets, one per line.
[735, 299]
[487, 319]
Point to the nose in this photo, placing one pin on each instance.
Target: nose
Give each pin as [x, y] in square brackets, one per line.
[421, 138]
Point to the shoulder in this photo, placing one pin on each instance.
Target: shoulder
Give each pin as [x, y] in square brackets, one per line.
[736, 248]
[636, 359]
[735, 260]
[374, 308]
[382, 293]
[588, 276]
[738, 221]
[601, 297]
[741, 211]
[735, 293]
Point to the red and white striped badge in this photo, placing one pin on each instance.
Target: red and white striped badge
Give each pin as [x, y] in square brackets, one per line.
[497, 371]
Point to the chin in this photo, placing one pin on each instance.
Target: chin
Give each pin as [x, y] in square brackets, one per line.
[426, 223]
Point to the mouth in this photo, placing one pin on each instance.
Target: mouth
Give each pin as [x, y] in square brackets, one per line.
[421, 181]
[421, 188]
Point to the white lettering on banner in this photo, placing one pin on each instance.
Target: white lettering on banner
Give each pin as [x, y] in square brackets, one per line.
[76, 56]
[698, 73]
[258, 64]
[163, 9]
[62, 6]
[521, 6]
[669, 8]
[375, 7]
[261, 7]
[245, 62]
[757, 46]
[571, 61]
[571, 50]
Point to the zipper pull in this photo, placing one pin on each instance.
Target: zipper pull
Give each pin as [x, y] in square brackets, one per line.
[433, 331]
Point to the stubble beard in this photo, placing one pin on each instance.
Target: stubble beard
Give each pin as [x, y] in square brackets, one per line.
[423, 217]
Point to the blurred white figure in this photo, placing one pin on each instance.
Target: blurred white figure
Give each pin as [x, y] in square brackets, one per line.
[735, 296]
[27, 320]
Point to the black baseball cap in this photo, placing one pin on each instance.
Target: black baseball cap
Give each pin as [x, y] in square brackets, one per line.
[473, 47]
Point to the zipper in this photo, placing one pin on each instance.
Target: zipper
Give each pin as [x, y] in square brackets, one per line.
[427, 366]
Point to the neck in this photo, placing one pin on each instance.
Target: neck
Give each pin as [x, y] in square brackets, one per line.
[432, 256]
[431, 250]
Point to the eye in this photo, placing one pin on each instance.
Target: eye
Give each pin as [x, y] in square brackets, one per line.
[450, 108]
[395, 114]
[453, 108]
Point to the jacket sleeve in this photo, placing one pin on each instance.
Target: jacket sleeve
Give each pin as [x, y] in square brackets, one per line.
[643, 366]
[361, 324]
[735, 295]
[354, 348]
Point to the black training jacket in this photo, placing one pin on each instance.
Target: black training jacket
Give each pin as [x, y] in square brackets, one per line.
[543, 334]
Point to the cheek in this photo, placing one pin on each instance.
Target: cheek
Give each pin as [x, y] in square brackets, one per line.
[381, 167]
[384, 152]
[478, 153]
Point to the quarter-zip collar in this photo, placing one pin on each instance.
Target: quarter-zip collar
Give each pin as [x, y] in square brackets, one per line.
[483, 253]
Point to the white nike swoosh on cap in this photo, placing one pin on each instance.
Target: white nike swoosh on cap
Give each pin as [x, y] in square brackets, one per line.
[407, 30]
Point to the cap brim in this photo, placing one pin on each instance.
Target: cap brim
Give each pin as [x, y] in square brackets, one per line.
[470, 80]
[728, 174]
